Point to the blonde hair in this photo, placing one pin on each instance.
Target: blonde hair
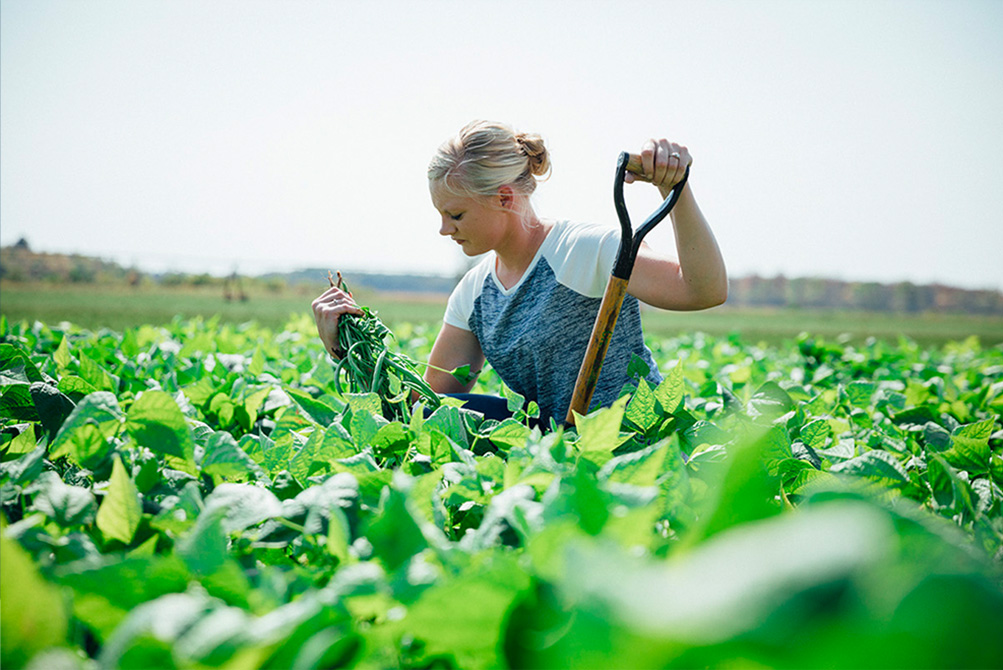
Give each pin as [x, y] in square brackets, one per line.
[486, 155]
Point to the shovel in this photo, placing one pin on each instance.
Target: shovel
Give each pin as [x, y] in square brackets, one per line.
[616, 287]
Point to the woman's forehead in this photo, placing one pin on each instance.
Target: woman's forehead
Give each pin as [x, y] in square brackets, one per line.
[446, 200]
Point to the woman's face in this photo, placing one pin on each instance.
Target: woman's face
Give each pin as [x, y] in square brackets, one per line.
[471, 222]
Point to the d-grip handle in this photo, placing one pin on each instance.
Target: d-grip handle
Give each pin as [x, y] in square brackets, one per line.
[635, 165]
[630, 240]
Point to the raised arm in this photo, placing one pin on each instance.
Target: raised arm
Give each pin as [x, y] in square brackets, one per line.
[698, 279]
[453, 348]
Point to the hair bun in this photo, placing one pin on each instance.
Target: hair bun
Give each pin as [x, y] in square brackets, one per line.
[533, 148]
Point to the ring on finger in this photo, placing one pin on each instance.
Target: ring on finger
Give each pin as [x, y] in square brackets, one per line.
[674, 154]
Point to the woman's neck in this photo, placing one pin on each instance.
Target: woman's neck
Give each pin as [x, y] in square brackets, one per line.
[519, 249]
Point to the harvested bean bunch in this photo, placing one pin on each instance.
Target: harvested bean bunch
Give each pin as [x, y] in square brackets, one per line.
[372, 368]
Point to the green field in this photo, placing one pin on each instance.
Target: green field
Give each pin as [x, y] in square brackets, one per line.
[119, 307]
[199, 494]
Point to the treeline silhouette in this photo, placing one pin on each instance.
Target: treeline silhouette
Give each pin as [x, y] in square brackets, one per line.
[820, 293]
[19, 263]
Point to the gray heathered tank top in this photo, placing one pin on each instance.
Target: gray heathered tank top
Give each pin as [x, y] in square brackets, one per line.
[535, 338]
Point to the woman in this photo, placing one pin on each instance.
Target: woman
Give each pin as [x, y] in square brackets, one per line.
[528, 307]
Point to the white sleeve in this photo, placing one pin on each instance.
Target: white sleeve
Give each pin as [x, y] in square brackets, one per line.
[461, 300]
[584, 258]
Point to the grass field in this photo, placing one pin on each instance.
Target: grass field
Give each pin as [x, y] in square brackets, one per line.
[119, 307]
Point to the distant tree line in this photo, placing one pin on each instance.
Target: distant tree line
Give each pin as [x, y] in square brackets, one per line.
[20, 264]
[819, 293]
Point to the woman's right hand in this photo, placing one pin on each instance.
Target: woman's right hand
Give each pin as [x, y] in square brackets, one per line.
[327, 308]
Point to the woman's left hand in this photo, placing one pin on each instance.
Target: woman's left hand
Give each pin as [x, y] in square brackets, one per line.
[664, 164]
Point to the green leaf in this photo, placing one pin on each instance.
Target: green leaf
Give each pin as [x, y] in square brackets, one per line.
[800, 477]
[130, 343]
[200, 392]
[224, 458]
[276, 455]
[815, 433]
[244, 505]
[339, 536]
[515, 401]
[222, 406]
[252, 406]
[62, 355]
[365, 425]
[120, 511]
[776, 446]
[204, 549]
[599, 432]
[639, 468]
[770, 402]
[22, 443]
[33, 616]
[394, 534]
[16, 403]
[24, 469]
[145, 637]
[75, 387]
[641, 408]
[393, 438]
[312, 453]
[704, 433]
[96, 375]
[100, 410]
[53, 407]
[155, 421]
[320, 411]
[756, 571]
[441, 448]
[463, 374]
[877, 465]
[16, 367]
[637, 368]
[915, 417]
[509, 433]
[449, 422]
[66, 505]
[749, 491]
[859, 393]
[257, 364]
[970, 447]
[949, 490]
[937, 437]
[590, 503]
[669, 393]
[103, 594]
[88, 445]
[364, 403]
[468, 489]
[293, 424]
[464, 618]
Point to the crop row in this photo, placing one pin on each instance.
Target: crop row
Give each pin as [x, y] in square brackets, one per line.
[202, 495]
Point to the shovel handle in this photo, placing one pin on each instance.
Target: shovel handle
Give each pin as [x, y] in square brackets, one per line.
[634, 164]
[602, 333]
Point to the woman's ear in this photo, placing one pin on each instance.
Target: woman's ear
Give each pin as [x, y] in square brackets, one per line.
[506, 197]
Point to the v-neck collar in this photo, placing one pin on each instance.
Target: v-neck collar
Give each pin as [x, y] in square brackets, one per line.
[529, 268]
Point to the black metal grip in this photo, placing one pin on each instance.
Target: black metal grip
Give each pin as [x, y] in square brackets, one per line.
[630, 241]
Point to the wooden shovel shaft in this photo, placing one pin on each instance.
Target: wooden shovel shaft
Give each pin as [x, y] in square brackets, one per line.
[602, 333]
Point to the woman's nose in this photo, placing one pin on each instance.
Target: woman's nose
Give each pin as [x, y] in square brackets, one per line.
[447, 227]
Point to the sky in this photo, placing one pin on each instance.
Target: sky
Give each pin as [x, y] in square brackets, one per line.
[853, 140]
